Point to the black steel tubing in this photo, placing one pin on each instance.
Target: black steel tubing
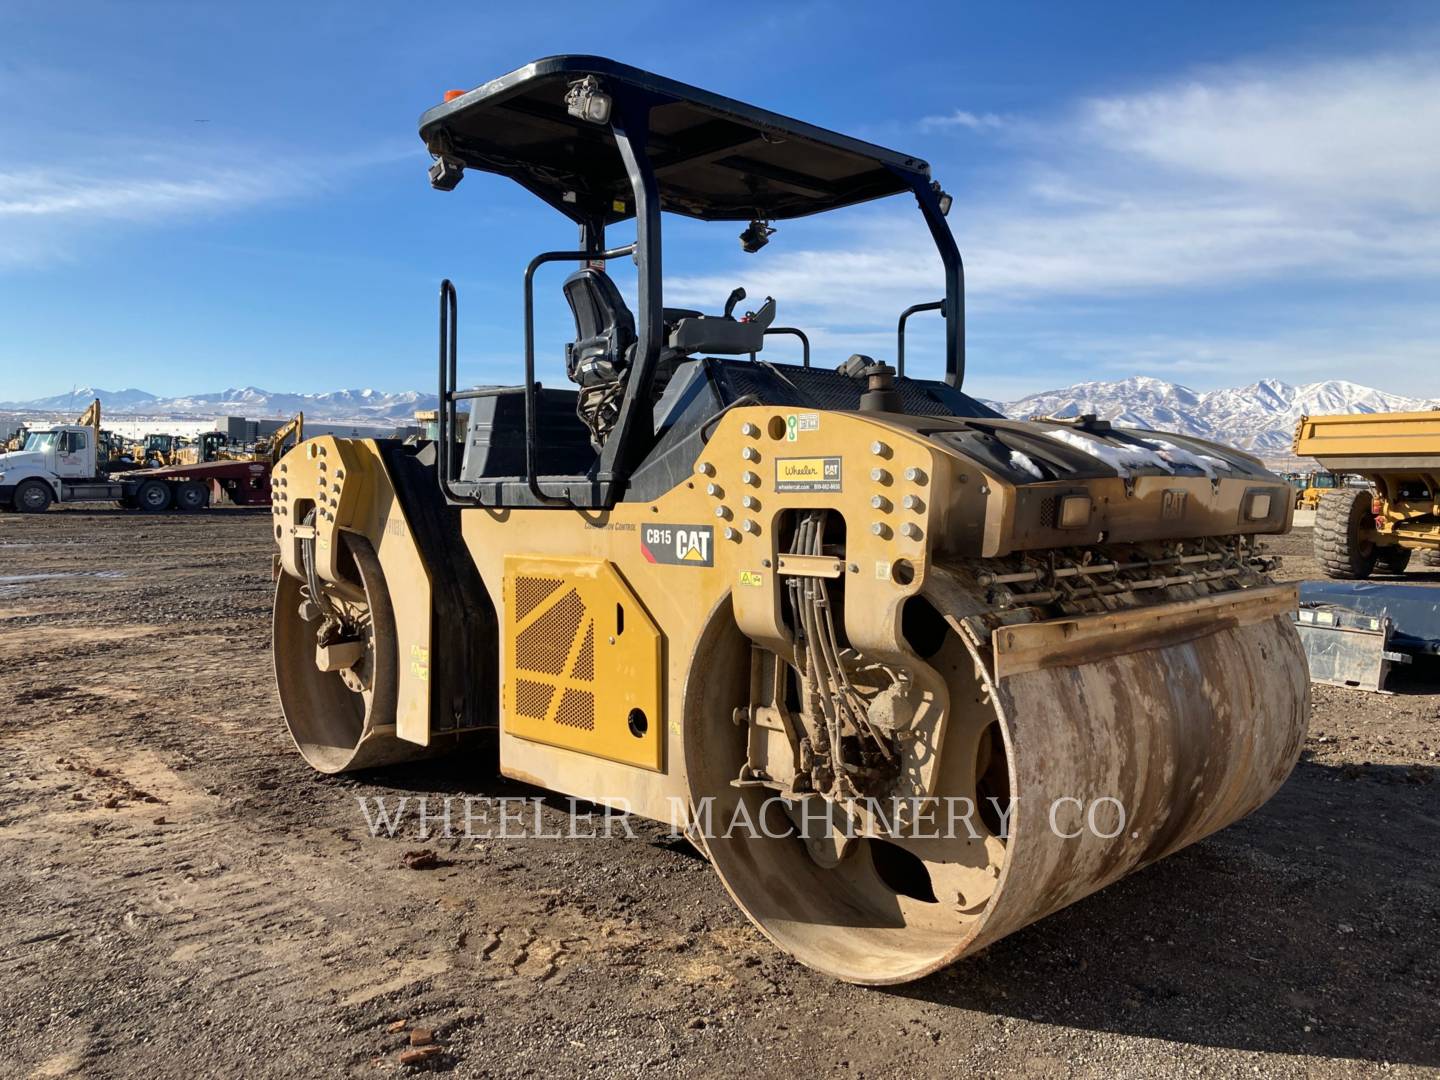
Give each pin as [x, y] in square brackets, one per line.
[954, 280]
[445, 411]
[484, 392]
[532, 480]
[630, 122]
[913, 309]
[804, 341]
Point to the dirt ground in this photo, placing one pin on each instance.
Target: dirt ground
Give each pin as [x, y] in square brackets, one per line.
[184, 897]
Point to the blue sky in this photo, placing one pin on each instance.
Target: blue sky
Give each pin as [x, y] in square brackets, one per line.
[195, 196]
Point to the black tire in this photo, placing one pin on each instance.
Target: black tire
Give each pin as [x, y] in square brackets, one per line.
[192, 495]
[33, 497]
[1392, 560]
[153, 496]
[1341, 548]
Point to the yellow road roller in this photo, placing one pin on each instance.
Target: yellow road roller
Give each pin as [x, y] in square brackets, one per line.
[910, 674]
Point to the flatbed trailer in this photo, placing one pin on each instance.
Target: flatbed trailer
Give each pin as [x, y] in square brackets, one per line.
[244, 483]
[195, 487]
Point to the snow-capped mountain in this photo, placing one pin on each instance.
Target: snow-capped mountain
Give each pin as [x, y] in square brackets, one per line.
[1259, 418]
[78, 400]
[251, 401]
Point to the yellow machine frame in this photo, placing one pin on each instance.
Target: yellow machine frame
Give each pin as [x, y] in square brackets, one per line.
[726, 513]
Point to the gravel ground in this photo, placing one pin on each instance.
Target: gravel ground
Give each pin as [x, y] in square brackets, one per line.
[184, 897]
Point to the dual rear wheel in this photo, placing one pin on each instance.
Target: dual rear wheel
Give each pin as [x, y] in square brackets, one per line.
[1345, 546]
[155, 496]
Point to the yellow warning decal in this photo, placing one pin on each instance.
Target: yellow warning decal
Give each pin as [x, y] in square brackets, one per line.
[752, 578]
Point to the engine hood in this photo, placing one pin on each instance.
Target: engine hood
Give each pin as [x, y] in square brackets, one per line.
[1121, 485]
[17, 459]
[1031, 451]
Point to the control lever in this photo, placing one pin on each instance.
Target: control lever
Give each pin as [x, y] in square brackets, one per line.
[735, 298]
[764, 317]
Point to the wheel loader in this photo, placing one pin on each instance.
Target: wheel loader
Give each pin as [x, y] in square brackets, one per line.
[1312, 486]
[1360, 531]
[157, 451]
[951, 671]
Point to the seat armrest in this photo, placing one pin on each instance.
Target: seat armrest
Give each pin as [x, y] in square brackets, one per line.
[714, 334]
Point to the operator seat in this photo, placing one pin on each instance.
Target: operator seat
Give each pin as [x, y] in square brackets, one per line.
[599, 359]
[604, 328]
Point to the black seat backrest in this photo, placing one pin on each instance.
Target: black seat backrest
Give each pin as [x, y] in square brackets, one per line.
[604, 327]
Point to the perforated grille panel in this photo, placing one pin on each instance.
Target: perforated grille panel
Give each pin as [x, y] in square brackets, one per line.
[532, 699]
[585, 659]
[1047, 513]
[559, 638]
[582, 656]
[531, 592]
[577, 709]
[545, 644]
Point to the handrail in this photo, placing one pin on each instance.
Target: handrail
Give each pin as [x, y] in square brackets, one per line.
[804, 341]
[445, 413]
[913, 309]
[532, 480]
[485, 391]
[446, 416]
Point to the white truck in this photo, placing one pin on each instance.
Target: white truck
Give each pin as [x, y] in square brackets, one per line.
[59, 465]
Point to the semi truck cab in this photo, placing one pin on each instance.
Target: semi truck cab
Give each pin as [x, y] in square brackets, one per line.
[56, 465]
[69, 451]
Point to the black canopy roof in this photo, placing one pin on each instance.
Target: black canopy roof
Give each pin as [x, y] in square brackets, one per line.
[714, 158]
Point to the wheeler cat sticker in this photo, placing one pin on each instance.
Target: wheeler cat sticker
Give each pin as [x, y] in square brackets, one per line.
[807, 474]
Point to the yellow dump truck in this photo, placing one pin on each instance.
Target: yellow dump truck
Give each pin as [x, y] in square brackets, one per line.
[1359, 531]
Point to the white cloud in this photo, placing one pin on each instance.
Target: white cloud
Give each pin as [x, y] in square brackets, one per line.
[52, 213]
[1364, 131]
[1116, 244]
[36, 193]
[1299, 177]
[962, 118]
